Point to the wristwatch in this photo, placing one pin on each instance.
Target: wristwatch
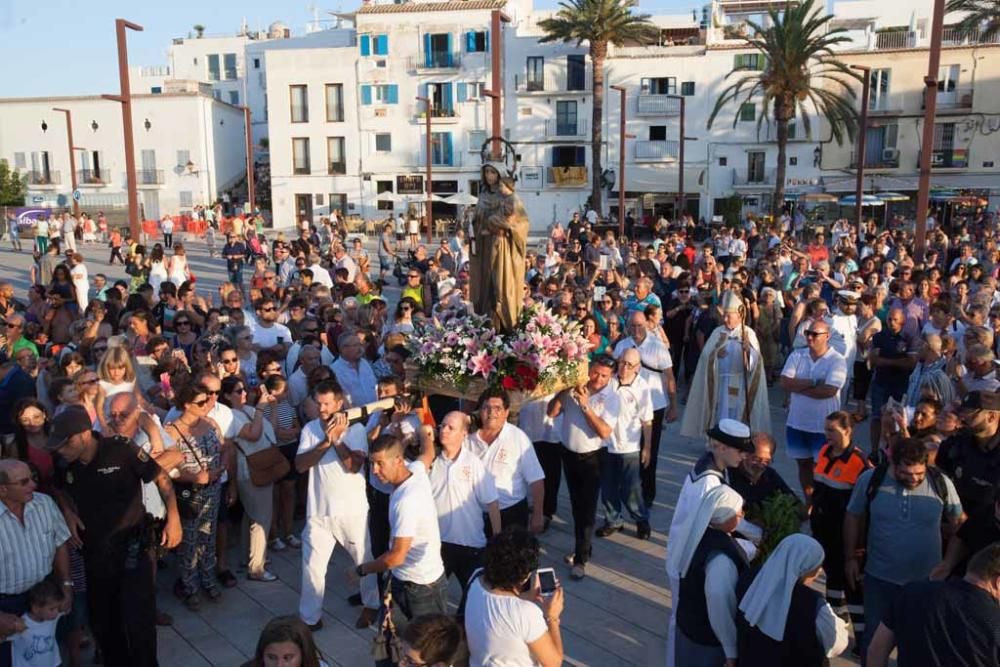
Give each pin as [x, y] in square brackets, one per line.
[360, 570]
[68, 583]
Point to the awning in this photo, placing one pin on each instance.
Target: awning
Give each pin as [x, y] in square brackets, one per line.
[847, 182]
[660, 178]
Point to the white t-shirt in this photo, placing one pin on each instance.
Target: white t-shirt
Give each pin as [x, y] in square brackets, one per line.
[81, 282]
[499, 628]
[511, 460]
[332, 490]
[636, 407]
[809, 414]
[358, 383]
[577, 434]
[462, 490]
[37, 645]
[653, 354]
[536, 423]
[409, 517]
[268, 336]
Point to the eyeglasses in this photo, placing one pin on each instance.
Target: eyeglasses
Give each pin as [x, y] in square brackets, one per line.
[123, 415]
[239, 390]
[230, 360]
[269, 309]
[182, 324]
[13, 325]
[812, 334]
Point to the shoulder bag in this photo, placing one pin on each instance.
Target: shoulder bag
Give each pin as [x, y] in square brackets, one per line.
[266, 466]
[386, 645]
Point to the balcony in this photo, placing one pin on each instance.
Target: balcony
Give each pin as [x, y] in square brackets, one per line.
[336, 168]
[955, 37]
[568, 177]
[887, 104]
[438, 114]
[93, 177]
[656, 151]
[435, 61]
[952, 158]
[895, 39]
[958, 99]
[148, 177]
[753, 178]
[657, 105]
[555, 129]
[43, 178]
[889, 159]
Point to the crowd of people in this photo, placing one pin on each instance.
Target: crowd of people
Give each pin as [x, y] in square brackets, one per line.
[147, 424]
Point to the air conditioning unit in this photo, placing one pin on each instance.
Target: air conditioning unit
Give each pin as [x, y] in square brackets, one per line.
[937, 158]
[890, 154]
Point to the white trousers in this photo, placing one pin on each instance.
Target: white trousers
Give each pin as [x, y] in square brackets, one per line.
[675, 593]
[319, 538]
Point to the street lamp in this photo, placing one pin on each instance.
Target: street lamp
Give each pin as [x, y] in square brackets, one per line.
[427, 177]
[72, 157]
[930, 108]
[681, 196]
[859, 183]
[251, 184]
[621, 161]
[125, 99]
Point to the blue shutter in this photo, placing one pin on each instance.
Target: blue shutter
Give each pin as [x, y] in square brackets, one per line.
[446, 98]
[460, 89]
[366, 94]
[382, 45]
[366, 45]
[449, 58]
[487, 40]
[428, 56]
[392, 93]
[447, 149]
[470, 42]
[581, 155]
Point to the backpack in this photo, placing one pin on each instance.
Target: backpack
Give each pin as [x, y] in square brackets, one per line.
[935, 477]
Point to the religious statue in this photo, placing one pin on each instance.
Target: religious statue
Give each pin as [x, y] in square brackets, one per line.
[499, 244]
[729, 381]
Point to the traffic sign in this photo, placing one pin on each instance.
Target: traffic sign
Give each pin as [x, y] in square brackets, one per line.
[77, 196]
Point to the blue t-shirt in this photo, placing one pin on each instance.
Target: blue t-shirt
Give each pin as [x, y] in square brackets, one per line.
[893, 346]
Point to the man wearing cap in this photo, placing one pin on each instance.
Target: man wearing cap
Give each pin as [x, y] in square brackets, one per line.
[590, 414]
[657, 372]
[971, 457]
[728, 444]
[101, 493]
[813, 377]
[844, 331]
[729, 381]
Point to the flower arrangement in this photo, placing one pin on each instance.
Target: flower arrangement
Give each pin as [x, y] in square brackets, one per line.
[541, 352]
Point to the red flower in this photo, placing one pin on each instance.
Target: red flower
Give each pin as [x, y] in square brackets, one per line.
[509, 383]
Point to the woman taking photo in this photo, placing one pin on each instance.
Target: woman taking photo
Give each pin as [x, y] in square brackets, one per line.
[254, 434]
[241, 338]
[185, 337]
[199, 491]
[505, 625]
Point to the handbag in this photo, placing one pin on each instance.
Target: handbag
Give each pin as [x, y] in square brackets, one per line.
[186, 493]
[386, 646]
[266, 466]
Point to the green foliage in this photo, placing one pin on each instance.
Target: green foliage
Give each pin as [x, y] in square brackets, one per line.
[979, 12]
[731, 209]
[12, 186]
[780, 515]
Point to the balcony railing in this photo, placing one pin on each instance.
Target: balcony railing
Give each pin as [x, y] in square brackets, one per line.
[896, 39]
[952, 158]
[438, 114]
[336, 168]
[436, 60]
[957, 37]
[960, 98]
[567, 177]
[149, 177]
[657, 105]
[43, 177]
[891, 103]
[888, 159]
[753, 177]
[93, 177]
[656, 150]
[565, 129]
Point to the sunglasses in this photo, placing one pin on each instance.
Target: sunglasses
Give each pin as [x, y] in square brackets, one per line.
[202, 403]
[232, 360]
[813, 334]
[13, 325]
[239, 390]
[182, 324]
[267, 310]
[90, 381]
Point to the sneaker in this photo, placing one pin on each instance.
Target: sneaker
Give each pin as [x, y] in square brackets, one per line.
[607, 529]
[317, 626]
[578, 572]
[354, 600]
[278, 545]
[569, 558]
[642, 530]
[263, 576]
[293, 542]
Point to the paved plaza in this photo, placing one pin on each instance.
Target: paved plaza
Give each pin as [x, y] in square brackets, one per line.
[616, 616]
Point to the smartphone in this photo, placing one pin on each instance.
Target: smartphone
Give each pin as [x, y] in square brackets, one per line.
[223, 319]
[546, 580]
[281, 340]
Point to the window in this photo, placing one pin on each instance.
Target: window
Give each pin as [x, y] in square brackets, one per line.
[793, 161]
[723, 161]
[752, 61]
[300, 156]
[469, 90]
[185, 199]
[374, 45]
[214, 69]
[380, 187]
[792, 129]
[441, 150]
[878, 91]
[318, 199]
[336, 161]
[748, 112]
[474, 187]
[569, 156]
[566, 121]
[438, 50]
[217, 94]
[536, 73]
[755, 167]
[576, 69]
[335, 103]
[664, 85]
[19, 161]
[658, 133]
[383, 142]
[380, 94]
[476, 140]
[256, 63]
[183, 157]
[338, 202]
[156, 90]
[477, 42]
[687, 88]
[229, 64]
[234, 97]
[300, 103]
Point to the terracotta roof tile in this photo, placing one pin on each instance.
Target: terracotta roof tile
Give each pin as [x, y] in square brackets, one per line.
[415, 7]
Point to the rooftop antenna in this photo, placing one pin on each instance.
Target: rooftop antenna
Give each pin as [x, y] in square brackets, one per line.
[314, 24]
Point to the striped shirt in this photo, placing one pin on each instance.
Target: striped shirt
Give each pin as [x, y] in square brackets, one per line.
[27, 550]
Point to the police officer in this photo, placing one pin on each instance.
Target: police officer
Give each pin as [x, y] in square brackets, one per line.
[101, 483]
[971, 457]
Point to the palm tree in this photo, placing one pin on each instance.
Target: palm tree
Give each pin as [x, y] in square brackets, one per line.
[978, 12]
[599, 23]
[799, 73]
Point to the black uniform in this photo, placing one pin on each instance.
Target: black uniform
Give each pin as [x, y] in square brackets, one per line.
[120, 595]
[974, 468]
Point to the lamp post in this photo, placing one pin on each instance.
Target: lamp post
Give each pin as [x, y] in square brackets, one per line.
[251, 184]
[859, 183]
[681, 195]
[621, 161]
[125, 99]
[72, 157]
[427, 176]
[927, 142]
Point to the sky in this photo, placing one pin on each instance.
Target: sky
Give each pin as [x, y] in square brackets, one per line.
[67, 47]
